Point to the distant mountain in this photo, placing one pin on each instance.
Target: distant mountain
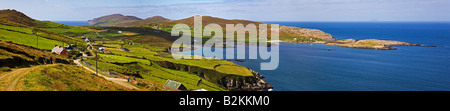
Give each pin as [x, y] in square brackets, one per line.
[286, 33]
[111, 20]
[208, 20]
[153, 19]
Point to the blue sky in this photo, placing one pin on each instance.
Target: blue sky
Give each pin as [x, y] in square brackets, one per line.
[257, 10]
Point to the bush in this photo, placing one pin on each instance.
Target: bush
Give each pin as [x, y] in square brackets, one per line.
[5, 69]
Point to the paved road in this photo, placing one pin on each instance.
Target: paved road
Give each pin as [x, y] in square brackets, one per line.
[122, 82]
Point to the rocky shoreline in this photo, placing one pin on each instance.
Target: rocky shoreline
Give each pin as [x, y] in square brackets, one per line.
[303, 35]
[371, 44]
[364, 44]
[258, 85]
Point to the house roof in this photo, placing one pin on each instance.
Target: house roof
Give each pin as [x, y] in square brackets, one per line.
[57, 49]
[174, 85]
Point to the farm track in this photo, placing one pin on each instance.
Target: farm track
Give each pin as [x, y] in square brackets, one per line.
[12, 78]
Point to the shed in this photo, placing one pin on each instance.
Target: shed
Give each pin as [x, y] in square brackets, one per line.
[70, 47]
[125, 49]
[87, 40]
[174, 85]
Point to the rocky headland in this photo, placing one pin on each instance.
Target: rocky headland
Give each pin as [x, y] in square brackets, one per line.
[303, 35]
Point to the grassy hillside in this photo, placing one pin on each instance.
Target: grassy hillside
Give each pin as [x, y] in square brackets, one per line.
[18, 17]
[111, 20]
[69, 31]
[148, 59]
[13, 32]
[153, 73]
[59, 77]
[140, 51]
[26, 38]
[17, 56]
[155, 19]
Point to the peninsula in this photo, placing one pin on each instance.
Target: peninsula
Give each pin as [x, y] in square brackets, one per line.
[286, 34]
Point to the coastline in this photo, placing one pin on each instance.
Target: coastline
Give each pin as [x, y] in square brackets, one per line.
[364, 44]
[255, 82]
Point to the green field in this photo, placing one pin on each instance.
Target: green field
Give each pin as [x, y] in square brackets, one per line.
[140, 52]
[121, 59]
[27, 39]
[21, 29]
[104, 34]
[65, 78]
[159, 75]
[70, 31]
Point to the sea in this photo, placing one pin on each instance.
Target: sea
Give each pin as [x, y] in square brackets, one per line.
[73, 23]
[313, 67]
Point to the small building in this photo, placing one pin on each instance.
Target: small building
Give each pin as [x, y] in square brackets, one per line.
[60, 50]
[130, 43]
[174, 85]
[87, 40]
[101, 49]
[70, 47]
[125, 49]
[119, 32]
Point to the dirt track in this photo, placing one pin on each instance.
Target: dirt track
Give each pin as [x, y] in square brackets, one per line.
[11, 79]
